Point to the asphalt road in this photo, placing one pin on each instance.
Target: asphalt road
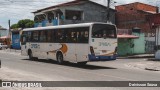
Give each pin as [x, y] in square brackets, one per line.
[93, 71]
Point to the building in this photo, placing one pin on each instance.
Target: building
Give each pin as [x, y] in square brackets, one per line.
[4, 33]
[154, 21]
[78, 11]
[133, 42]
[133, 16]
[15, 38]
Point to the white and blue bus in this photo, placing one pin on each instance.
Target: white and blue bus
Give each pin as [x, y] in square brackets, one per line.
[78, 43]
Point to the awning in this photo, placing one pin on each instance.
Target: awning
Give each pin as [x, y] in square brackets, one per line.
[127, 36]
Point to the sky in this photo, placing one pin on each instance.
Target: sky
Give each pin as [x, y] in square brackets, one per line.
[15, 10]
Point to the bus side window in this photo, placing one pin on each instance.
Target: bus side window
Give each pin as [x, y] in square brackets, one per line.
[74, 37]
[50, 35]
[59, 36]
[83, 37]
[23, 38]
[29, 36]
[68, 36]
[86, 37]
[35, 36]
[43, 36]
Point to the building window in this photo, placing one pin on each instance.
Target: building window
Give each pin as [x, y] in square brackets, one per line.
[50, 17]
[73, 15]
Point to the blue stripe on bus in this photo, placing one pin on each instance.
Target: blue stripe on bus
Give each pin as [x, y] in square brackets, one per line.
[101, 58]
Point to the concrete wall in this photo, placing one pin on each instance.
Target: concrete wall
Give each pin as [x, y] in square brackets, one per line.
[91, 13]
[124, 47]
[134, 15]
[131, 46]
[139, 44]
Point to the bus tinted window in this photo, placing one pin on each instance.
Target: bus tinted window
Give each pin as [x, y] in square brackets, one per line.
[59, 36]
[43, 36]
[24, 38]
[72, 35]
[29, 36]
[103, 31]
[50, 36]
[35, 36]
[83, 35]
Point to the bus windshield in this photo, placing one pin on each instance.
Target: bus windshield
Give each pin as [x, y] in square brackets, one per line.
[103, 31]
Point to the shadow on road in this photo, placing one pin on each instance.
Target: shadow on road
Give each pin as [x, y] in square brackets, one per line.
[87, 66]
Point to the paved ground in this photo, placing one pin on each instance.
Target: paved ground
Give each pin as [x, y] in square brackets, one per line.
[17, 67]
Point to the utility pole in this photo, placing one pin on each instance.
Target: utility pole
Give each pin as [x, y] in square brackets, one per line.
[9, 24]
[108, 10]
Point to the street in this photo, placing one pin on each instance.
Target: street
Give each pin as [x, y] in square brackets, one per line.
[48, 70]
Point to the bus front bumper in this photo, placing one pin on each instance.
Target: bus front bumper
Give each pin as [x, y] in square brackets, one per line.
[101, 58]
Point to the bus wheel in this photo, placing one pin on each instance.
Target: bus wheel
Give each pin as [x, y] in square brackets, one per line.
[30, 55]
[59, 58]
[82, 63]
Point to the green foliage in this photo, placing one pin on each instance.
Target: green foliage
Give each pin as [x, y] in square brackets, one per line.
[14, 26]
[29, 24]
[25, 23]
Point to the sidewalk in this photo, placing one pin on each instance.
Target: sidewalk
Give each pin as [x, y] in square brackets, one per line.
[137, 56]
[11, 51]
[147, 64]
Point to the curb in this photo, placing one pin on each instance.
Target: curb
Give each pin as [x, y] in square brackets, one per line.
[152, 69]
[132, 57]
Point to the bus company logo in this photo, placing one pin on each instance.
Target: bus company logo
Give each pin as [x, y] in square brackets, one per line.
[104, 44]
[35, 46]
[6, 84]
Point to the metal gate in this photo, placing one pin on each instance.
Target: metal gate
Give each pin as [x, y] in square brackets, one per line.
[149, 46]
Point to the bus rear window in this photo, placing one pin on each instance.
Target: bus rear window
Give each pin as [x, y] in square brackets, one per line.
[103, 31]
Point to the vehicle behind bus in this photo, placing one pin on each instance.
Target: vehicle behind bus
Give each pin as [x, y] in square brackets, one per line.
[78, 43]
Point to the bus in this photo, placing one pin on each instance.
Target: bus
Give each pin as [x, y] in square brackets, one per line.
[78, 43]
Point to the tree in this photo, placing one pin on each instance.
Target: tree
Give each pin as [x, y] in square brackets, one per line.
[14, 26]
[29, 24]
[26, 23]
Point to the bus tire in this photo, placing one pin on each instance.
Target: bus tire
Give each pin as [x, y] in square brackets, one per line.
[30, 54]
[82, 63]
[60, 58]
